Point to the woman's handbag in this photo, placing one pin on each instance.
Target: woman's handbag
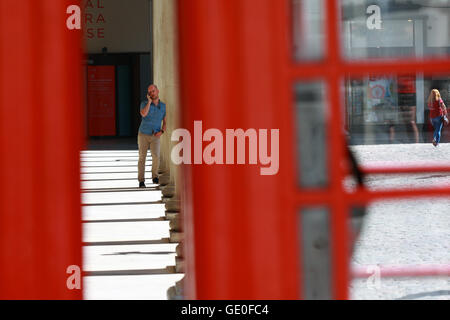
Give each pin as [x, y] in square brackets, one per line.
[444, 117]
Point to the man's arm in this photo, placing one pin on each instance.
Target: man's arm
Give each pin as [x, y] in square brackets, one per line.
[159, 133]
[164, 124]
[144, 111]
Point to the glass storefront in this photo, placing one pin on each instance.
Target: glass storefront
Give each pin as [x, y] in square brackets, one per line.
[390, 108]
[393, 108]
[395, 28]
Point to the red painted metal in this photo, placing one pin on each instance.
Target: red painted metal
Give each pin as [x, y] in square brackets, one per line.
[395, 169]
[333, 69]
[357, 69]
[364, 196]
[40, 140]
[336, 143]
[235, 244]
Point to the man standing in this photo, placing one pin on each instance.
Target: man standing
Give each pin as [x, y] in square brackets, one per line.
[153, 112]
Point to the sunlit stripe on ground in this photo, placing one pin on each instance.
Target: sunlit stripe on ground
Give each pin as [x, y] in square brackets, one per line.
[127, 254]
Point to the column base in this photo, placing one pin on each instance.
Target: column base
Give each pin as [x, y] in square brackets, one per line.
[175, 224]
[179, 250]
[176, 237]
[164, 179]
[171, 215]
[176, 292]
[173, 205]
[168, 191]
[179, 265]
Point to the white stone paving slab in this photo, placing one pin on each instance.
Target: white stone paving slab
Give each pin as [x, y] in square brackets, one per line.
[125, 231]
[145, 287]
[109, 176]
[128, 257]
[112, 164]
[109, 151]
[117, 197]
[112, 169]
[114, 184]
[108, 212]
[108, 155]
[106, 158]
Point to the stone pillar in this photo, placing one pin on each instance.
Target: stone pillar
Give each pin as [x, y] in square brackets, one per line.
[165, 77]
[165, 66]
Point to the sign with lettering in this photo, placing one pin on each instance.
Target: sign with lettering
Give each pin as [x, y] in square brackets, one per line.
[374, 20]
[101, 102]
[93, 22]
[394, 33]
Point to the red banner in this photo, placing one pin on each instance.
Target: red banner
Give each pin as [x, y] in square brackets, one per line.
[101, 95]
[406, 84]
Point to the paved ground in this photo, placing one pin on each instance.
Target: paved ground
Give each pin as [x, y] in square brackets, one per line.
[126, 249]
[125, 234]
[413, 232]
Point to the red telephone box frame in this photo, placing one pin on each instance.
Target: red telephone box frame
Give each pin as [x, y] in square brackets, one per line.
[237, 71]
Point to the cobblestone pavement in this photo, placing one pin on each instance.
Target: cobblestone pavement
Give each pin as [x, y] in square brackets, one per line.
[406, 232]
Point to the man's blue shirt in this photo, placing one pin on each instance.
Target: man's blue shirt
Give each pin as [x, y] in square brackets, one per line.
[151, 123]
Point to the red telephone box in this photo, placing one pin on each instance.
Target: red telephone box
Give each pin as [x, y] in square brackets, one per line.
[243, 230]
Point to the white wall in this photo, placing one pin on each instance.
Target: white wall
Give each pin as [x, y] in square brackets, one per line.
[126, 26]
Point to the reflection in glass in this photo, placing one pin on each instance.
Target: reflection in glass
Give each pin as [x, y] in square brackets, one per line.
[394, 28]
[308, 33]
[310, 121]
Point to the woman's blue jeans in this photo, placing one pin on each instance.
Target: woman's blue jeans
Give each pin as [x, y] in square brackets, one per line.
[437, 124]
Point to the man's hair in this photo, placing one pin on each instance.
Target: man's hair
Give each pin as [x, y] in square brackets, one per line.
[152, 85]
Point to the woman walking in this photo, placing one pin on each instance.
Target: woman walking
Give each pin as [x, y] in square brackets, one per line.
[438, 114]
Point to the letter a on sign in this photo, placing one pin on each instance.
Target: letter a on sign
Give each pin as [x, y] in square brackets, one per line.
[74, 20]
[74, 280]
[374, 21]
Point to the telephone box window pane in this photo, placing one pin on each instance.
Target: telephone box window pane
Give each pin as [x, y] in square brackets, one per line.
[311, 126]
[395, 29]
[308, 29]
[315, 252]
[393, 108]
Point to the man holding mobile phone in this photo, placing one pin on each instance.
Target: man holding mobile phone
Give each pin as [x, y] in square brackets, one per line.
[153, 112]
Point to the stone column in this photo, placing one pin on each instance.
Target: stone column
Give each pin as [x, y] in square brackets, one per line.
[166, 78]
[164, 74]
[165, 66]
